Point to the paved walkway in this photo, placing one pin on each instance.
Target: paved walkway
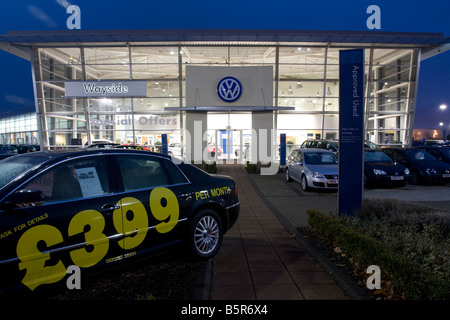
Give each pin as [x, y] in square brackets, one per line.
[260, 259]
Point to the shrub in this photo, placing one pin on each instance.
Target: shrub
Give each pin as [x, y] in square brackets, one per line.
[408, 242]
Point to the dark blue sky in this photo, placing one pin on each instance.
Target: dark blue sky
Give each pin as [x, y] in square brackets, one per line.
[398, 15]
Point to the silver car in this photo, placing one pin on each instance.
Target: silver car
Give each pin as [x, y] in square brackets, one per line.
[313, 168]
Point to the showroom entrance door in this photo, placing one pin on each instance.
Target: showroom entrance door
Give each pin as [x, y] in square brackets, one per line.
[230, 134]
[229, 143]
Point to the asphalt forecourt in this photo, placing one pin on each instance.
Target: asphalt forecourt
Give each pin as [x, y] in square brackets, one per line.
[437, 196]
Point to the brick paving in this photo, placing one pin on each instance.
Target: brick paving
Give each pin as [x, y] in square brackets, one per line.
[261, 260]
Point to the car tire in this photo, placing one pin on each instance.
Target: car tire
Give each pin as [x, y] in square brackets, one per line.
[304, 183]
[288, 176]
[205, 234]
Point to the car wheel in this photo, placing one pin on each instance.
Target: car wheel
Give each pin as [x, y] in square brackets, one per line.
[288, 176]
[205, 234]
[304, 183]
[414, 177]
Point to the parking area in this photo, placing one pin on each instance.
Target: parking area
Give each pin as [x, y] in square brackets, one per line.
[292, 202]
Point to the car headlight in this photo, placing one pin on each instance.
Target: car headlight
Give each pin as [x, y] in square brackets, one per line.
[406, 171]
[316, 174]
[430, 171]
[379, 172]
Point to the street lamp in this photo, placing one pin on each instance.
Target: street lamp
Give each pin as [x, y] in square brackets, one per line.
[443, 107]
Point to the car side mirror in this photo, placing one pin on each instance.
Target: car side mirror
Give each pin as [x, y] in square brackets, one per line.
[24, 198]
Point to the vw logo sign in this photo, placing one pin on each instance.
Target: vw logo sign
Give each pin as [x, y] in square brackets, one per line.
[229, 89]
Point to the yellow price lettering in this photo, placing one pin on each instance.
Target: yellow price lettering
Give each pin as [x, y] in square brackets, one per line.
[132, 221]
[33, 260]
[85, 257]
[164, 205]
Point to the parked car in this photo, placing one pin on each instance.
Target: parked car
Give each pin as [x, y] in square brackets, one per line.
[24, 148]
[212, 150]
[102, 207]
[7, 151]
[102, 145]
[332, 145]
[423, 167]
[441, 153]
[381, 170]
[313, 168]
[95, 141]
[131, 146]
[174, 149]
[424, 143]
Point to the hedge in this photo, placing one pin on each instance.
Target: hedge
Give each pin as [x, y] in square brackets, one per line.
[407, 276]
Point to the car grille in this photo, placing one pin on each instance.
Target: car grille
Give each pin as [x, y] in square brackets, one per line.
[331, 176]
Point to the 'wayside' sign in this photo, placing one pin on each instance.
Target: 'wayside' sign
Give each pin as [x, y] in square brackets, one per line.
[105, 89]
[351, 130]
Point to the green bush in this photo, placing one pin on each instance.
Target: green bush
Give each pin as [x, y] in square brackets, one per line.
[409, 243]
[252, 168]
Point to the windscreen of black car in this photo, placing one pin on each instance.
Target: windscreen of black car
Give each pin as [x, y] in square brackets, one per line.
[446, 152]
[376, 156]
[321, 158]
[74, 179]
[419, 155]
[13, 168]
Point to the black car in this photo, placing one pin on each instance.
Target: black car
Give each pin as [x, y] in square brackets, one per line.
[100, 207]
[441, 153]
[7, 151]
[23, 148]
[423, 167]
[381, 170]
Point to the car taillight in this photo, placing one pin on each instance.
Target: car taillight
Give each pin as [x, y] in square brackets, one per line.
[235, 190]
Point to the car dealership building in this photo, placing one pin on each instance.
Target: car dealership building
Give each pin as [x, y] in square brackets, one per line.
[230, 89]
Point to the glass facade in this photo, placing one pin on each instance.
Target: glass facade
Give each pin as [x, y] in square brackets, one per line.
[19, 128]
[306, 78]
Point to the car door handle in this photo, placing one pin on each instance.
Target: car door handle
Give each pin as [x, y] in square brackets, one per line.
[109, 208]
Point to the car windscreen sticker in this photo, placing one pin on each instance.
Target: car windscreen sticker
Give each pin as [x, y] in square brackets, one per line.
[43, 183]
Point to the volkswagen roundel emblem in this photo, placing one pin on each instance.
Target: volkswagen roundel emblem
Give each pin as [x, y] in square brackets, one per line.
[229, 89]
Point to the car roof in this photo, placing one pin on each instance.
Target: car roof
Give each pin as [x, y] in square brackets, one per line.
[435, 147]
[69, 153]
[373, 149]
[305, 150]
[323, 140]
